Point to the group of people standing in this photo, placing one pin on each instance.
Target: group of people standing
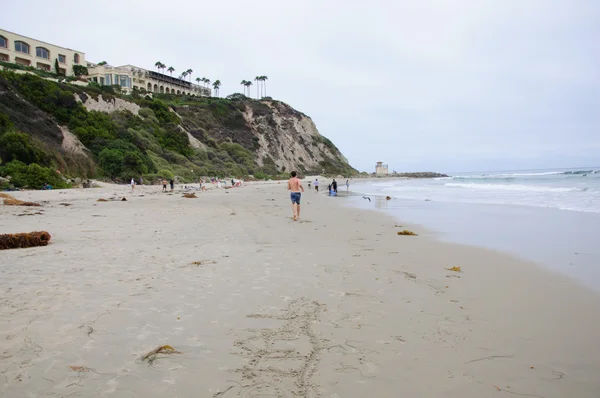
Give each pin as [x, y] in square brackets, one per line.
[331, 188]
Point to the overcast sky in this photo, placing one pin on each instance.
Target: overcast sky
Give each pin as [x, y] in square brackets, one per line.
[422, 85]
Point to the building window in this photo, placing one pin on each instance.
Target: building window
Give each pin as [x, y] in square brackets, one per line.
[62, 59]
[76, 58]
[42, 52]
[4, 57]
[102, 81]
[3, 42]
[22, 47]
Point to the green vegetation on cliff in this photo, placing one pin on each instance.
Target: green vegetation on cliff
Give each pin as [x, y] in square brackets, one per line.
[155, 143]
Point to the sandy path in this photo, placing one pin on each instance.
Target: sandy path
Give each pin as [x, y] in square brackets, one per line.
[336, 305]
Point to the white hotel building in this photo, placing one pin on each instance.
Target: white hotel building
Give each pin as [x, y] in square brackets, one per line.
[130, 77]
[26, 51]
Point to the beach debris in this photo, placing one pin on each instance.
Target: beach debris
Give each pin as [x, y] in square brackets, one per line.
[22, 240]
[455, 269]
[65, 204]
[489, 358]
[189, 195]
[31, 214]
[398, 226]
[78, 368]
[163, 349]
[406, 232]
[388, 198]
[366, 197]
[497, 388]
[203, 262]
[11, 201]
[124, 200]
[102, 200]
[531, 367]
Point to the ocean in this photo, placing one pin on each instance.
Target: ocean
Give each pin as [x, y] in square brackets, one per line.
[551, 217]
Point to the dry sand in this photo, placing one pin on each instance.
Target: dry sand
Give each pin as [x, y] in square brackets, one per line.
[336, 305]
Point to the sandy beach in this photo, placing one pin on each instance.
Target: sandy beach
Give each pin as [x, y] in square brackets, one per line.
[335, 305]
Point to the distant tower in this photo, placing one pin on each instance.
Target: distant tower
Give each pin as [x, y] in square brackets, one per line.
[381, 169]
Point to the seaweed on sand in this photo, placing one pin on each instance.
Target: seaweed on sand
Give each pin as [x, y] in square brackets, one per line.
[163, 349]
[406, 232]
[11, 201]
[22, 240]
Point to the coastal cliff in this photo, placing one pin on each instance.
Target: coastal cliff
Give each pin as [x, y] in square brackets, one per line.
[95, 132]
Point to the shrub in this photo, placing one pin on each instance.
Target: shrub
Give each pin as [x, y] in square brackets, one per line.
[20, 146]
[5, 123]
[111, 161]
[165, 174]
[31, 176]
[80, 70]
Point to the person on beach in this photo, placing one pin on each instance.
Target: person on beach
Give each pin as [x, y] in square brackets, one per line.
[316, 185]
[334, 185]
[141, 180]
[309, 185]
[164, 182]
[295, 187]
[132, 184]
[172, 184]
[347, 185]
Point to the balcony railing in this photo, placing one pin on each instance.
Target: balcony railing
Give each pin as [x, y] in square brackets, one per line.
[170, 79]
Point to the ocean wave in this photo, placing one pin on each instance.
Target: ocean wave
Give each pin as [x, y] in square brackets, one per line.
[579, 172]
[499, 176]
[513, 187]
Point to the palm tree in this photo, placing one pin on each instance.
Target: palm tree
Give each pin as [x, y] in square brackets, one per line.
[171, 70]
[243, 83]
[248, 84]
[216, 86]
[158, 65]
[257, 80]
[183, 75]
[198, 80]
[207, 82]
[264, 79]
[189, 72]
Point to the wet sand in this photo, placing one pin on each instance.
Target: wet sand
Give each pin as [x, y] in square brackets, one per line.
[336, 305]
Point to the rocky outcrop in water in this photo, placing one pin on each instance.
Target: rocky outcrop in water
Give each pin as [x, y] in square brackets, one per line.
[423, 174]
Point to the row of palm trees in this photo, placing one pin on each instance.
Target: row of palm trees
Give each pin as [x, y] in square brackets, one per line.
[258, 80]
[261, 81]
[159, 65]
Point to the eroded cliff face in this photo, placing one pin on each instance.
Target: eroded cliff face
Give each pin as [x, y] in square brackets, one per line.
[274, 131]
[290, 138]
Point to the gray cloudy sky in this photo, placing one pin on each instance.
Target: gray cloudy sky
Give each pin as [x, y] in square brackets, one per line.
[421, 85]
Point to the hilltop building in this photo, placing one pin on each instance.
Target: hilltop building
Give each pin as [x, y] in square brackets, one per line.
[130, 77]
[22, 50]
[381, 169]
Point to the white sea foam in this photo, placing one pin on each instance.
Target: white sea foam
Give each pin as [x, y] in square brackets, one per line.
[510, 187]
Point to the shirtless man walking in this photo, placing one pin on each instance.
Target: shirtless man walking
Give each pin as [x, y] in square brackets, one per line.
[295, 187]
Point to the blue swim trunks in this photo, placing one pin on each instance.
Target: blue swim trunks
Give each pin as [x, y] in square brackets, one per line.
[295, 196]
